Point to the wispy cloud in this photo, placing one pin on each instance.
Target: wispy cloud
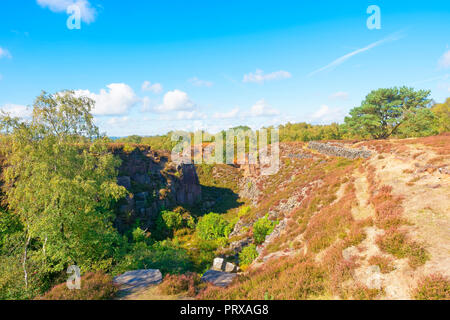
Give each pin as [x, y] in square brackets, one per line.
[339, 61]
[260, 77]
[340, 95]
[443, 77]
[200, 83]
[155, 87]
[444, 62]
[5, 53]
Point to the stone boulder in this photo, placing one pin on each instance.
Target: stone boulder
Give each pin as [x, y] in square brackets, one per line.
[131, 281]
[219, 264]
[218, 278]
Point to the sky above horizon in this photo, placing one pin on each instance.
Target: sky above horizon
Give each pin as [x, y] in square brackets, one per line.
[156, 66]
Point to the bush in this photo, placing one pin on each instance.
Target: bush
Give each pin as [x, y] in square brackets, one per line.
[94, 286]
[162, 255]
[212, 226]
[139, 235]
[177, 284]
[173, 220]
[166, 223]
[244, 211]
[262, 228]
[433, 287]
[248, 255]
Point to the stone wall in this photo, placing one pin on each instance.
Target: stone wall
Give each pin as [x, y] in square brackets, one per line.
[336, 151]
[154, 183]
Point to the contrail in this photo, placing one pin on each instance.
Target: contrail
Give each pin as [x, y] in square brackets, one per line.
[335, 63]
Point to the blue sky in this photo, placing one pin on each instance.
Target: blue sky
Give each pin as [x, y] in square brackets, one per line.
[155, 66]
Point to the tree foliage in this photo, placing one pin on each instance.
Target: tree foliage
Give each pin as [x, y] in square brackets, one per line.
[384, 110]
[442, 113]
[60, 182]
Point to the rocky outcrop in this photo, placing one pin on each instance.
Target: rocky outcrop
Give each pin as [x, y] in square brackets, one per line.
[218, 278]
[154, 183]
[132, 281]
[337, 151]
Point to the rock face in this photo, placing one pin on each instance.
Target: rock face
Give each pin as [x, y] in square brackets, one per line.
[331, 150]
[135, 280]
[218, 278]
[154, 183]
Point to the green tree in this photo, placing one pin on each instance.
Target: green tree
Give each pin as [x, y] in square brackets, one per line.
[384, 110]
[60, 181]
[442, 112]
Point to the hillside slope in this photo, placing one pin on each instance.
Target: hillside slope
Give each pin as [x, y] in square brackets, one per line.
[371, 228]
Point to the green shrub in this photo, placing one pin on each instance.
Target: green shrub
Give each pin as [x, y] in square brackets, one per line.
[212, 226]
[173, 220]
[262, 228]
[248, 255]
[163, 255]
[139, 235]
[166, 223]
[94, 286]
[243, 211]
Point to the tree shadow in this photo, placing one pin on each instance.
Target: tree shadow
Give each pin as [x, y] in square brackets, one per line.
[216, 199]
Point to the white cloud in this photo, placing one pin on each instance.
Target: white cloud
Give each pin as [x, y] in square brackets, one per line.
[16, 110]
[155, 87]
[344, 58]
[326, 115]
[200, 83]
[118, 120]
[185, 115]
[227, 115]
[340, 95]
[118, 99]
[175, 100]
[5, 53]
[444, 62]
[88, 13]
[260, 77]
[262, 109]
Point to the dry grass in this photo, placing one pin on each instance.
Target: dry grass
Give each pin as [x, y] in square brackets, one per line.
[384, 263]
[433, 287]
[397, 243]
[94, 286]
[180, 284]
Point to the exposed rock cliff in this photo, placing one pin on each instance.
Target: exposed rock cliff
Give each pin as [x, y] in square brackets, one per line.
[155, 183]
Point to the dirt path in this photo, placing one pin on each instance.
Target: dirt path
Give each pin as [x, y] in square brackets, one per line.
[364, 209]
